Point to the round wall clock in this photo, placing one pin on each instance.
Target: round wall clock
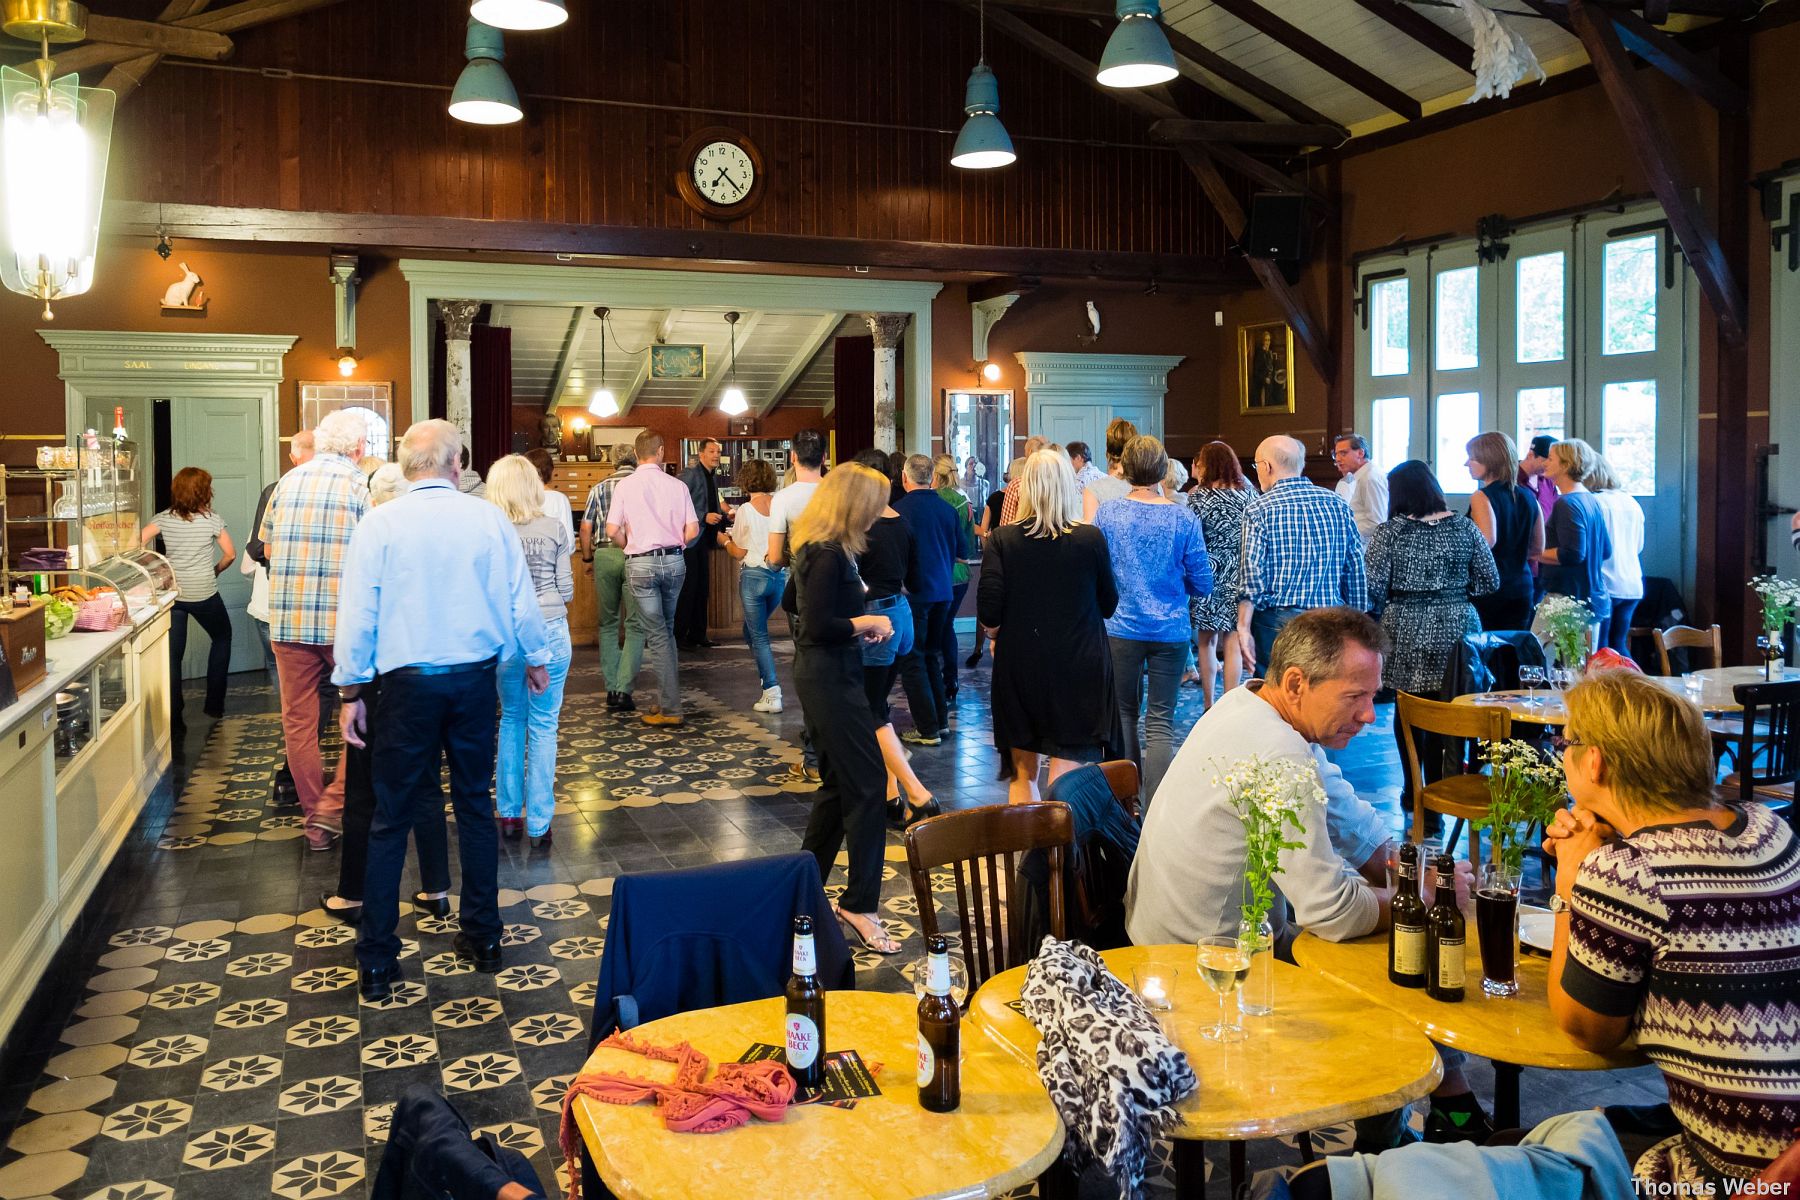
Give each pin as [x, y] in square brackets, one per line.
[721, 173]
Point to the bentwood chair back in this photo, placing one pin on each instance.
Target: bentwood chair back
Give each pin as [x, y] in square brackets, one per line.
[1768, 750]
[1122, 777]
[982, 848]
[1686, 637]
[1463, 797]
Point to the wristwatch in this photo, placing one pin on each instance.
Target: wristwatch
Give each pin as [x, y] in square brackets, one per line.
[350, 693]
[1556, 904]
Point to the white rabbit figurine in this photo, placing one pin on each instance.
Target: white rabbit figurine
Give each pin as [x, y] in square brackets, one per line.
[185, 293]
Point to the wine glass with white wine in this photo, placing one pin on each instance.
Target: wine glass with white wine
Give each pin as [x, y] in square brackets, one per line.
[1224, 962]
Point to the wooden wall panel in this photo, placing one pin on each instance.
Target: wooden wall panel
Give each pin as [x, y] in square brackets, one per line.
[855, 107]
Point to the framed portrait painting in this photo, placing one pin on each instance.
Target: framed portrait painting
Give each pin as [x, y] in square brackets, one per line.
[1266, 368]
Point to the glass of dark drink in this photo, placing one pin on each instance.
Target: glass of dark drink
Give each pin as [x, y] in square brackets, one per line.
[1497, 925]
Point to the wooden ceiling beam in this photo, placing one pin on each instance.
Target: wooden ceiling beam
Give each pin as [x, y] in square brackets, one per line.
[746, 328]
[1423, 30]
[1001, 285]
[1293, 38]
[233, 18]
[1174, 132]
[664, 328]
[1651, 146]
[158, 36]
[1730, 9]
[1660, 50]
[817, 339]
[565, 361]
[125, 78]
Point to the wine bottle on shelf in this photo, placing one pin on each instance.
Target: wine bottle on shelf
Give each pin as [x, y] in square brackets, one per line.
[940, 1033]
[806, 1015]
[1445, 936]
[1406, 931]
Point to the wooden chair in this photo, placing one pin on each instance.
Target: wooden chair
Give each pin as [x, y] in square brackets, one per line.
[1685, 637]
[982, 847]
[1768, 748]
[1122, 777]
[1462, 796]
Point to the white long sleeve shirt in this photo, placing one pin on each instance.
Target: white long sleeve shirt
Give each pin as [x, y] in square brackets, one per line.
[1366, 491]
[1187, 881]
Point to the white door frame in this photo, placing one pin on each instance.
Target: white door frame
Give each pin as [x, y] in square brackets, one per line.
[1103, 379]
[633, 287]
[173, 366]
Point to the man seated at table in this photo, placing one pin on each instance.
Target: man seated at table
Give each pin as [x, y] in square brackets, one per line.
[1187, 881]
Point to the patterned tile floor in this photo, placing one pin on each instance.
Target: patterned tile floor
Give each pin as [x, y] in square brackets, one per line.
[207, 1039]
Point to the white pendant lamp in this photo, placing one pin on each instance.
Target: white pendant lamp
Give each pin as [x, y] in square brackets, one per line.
[603, 403]
[983, 143]
[484, 95]
[1137, 54]
[733, 403]
[519, 14]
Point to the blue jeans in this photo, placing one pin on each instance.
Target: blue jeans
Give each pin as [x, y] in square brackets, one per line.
[760, 589]
[1164, 661]
[527, 754]
[1266, 625]
[654, 581]
[899, 615]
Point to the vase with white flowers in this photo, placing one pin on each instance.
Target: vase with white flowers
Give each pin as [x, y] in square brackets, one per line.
[1525, 789]
[1568, 622]
[1780, 597]
[1273, 798]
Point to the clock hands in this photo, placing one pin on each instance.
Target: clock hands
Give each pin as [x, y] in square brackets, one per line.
[728, 179]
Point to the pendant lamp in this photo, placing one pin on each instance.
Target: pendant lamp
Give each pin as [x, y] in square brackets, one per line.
[484, 95]
[55, 136]
[519, 14]
[1137, 53]
[603, 403]
[733, 403]
[983, 143]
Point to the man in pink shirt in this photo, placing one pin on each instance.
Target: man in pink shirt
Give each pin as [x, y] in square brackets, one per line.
[652, 517]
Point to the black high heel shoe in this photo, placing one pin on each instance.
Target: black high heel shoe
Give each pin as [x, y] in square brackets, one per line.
[922, 812]
[896, 813]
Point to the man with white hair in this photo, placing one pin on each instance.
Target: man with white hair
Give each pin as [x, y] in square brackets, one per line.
[305, 532]
[1301, 550]
[432, 615]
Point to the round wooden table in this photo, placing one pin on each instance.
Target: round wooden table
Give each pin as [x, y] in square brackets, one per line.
[1324, 1056]
[1514, 1031]
[1714, 695]
[1548, 710]
[1004, 1135]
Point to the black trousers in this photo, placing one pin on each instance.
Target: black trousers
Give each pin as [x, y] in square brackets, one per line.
[424, 720]
[922, 670]
[213, 618]
[1504, 612]
[947, 636]
[848, 804]
[431, 838]
[690, 606]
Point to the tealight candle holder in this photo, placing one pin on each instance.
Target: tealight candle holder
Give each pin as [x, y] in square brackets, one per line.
[1154, 982]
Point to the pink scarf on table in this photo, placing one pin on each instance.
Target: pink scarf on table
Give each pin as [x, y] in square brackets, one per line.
[738, 1092]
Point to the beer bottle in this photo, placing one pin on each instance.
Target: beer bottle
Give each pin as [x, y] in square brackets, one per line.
[1444, 936]
[1406, 932]
[940, 1033]
[806, 1015]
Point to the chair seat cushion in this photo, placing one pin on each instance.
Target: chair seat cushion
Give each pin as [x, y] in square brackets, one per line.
[1464, 796]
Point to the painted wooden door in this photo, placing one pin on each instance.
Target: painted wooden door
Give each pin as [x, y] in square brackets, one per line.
[224, 435]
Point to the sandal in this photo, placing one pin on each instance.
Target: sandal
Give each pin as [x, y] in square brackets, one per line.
[881, 943]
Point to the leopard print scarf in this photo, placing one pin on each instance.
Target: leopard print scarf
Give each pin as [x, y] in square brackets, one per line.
[1112, 1074]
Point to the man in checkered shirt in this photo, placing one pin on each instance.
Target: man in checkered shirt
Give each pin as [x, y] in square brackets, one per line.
[306, 529]
[1301, 550]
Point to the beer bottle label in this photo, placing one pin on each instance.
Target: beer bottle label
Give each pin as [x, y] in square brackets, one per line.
[1450, 962]
[802, 1041]
[806, 958]
[937, 974]
[927, 1062]
[1409, 949]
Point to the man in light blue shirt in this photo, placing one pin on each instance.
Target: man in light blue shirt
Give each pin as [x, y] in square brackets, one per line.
[435, 591]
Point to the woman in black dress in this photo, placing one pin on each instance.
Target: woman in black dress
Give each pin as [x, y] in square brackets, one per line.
[1047, 589]
[1512, 525]
[824, 599]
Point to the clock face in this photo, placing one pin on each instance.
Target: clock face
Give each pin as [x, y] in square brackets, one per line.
[723, 173]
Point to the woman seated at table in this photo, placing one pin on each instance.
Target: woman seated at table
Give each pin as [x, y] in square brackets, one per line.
[1681, 926]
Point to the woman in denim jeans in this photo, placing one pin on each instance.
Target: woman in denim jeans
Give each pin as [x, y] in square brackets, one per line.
[525, 771]
[759, 584]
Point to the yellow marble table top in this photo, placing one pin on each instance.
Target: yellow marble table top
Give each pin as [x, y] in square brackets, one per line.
[1514, 1029]
[1325, 1056]
[1004, 1135]
[1548, 711]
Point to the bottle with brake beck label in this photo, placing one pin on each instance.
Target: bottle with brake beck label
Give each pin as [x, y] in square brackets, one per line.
[805, 1039]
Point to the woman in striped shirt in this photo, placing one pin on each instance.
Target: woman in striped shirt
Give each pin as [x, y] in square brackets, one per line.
[198, 547]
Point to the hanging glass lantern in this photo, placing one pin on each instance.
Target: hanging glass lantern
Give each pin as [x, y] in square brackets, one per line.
[55, 136]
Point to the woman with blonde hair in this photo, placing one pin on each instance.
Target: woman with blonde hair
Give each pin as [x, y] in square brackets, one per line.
[1576, 543]
[525, 770]
[1512, 525]
[1046, 589]
[824, 602]
[1623, 571]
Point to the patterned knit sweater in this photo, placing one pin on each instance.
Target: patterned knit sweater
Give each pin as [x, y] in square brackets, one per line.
[1696, 931]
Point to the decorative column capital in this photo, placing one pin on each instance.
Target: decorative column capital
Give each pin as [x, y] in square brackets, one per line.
[887, 328]
[459, 317]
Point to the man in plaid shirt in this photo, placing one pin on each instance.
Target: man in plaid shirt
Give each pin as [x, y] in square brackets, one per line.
[306, 530]
[608, 569]
[1301, 550]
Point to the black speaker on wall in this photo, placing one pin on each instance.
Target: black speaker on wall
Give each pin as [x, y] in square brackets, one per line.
[1277, 227]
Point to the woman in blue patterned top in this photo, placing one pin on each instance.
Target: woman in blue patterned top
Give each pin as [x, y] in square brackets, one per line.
[1159, 560]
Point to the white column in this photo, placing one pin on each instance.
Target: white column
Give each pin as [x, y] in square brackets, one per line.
[886, 329]
[459, 318]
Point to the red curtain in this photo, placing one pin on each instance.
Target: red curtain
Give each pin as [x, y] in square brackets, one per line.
[490, 395]
[853, 376]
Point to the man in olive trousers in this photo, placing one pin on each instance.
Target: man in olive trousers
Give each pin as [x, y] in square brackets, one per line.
[618, 667]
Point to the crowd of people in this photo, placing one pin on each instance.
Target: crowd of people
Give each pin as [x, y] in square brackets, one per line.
[1130, 576]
